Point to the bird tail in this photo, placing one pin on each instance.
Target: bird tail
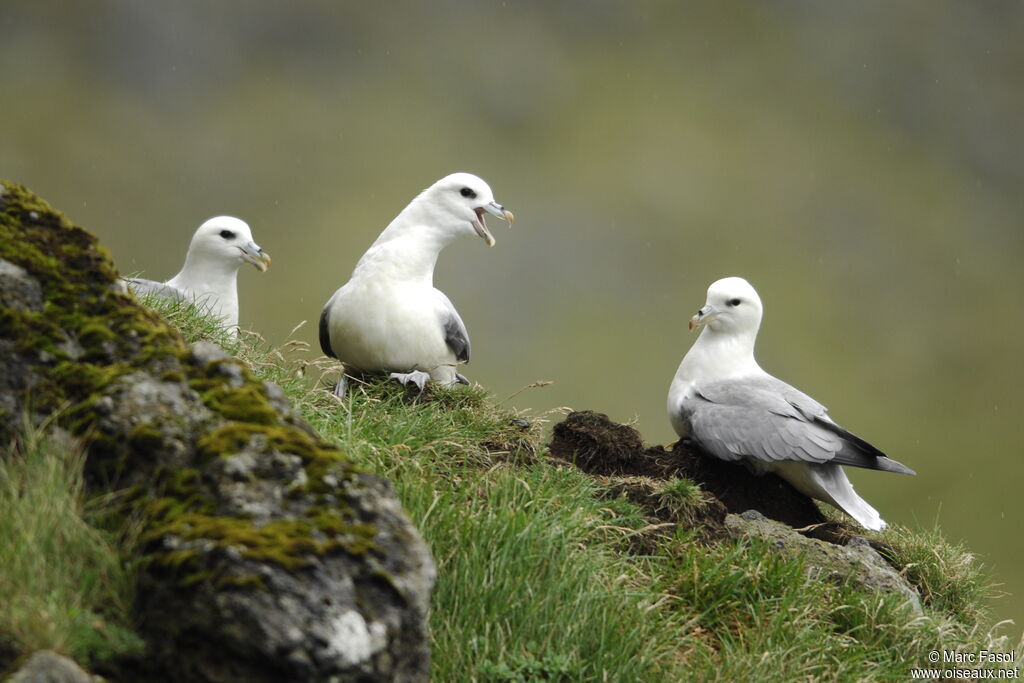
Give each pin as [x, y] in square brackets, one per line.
[833, 481]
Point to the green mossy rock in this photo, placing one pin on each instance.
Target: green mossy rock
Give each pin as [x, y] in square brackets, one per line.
[264, 554]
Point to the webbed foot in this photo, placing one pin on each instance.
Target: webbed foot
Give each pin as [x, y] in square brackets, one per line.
[417, 377]
[339, 388]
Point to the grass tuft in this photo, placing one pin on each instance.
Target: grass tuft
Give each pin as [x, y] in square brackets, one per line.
[949, 577]
[679, 495]
[63, 584]
[194, 320]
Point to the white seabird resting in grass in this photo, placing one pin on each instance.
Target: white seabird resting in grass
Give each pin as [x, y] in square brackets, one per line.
[389, 316]
[729, 407]
[210, 274]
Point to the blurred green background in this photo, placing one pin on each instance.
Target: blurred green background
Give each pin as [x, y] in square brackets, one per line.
[860, 163]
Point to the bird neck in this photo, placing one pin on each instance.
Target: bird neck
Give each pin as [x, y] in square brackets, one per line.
[212, 283]
[717, 356]
[405, 252]
[206, 271]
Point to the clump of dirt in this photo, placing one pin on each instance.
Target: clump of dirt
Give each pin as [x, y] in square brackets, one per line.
[615, 453]
[597, 445]
[740, 490]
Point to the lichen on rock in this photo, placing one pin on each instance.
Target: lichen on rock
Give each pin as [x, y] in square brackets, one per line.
[259, 540]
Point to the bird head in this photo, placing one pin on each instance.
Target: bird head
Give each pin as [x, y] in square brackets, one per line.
[228, 240]
[732, 306]
[459, 202]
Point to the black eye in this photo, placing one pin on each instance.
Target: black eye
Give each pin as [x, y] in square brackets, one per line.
[227, 234]
[733, 302]
[466, 192]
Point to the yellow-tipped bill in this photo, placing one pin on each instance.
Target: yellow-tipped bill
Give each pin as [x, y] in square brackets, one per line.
[255, 255]
[495, 209]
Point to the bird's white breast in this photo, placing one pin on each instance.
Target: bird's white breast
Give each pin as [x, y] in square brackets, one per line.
[220, 297]
[386, 325]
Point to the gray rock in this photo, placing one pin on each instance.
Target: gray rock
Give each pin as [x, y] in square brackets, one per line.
[204, 353]
[277, 399]
[265, 554]
[18, 290]
[856, 561]
[15, 374]
[49, 667]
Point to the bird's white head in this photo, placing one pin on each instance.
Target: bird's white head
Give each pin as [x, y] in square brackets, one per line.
[732, 306]
[227, 240]
[458, 202]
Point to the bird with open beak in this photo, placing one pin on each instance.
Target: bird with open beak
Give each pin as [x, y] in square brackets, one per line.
[389, 316]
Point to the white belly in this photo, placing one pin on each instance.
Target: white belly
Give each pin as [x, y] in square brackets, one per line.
[393, 327]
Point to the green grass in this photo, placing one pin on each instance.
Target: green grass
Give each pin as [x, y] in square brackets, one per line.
[679, 496]
[947, 575]
[194, 320]
[538, 577]
[63, 583]
[529, 582]
[753, 614]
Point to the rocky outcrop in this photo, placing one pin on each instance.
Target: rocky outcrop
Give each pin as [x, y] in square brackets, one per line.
[856, 561]
[734, 504]
[265, 554]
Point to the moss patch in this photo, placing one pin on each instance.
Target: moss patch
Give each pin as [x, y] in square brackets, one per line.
[89, 331]
[247, 404]
[318, 458]
[290, 543]
[90, 334]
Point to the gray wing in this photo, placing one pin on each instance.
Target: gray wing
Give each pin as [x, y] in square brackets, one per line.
[144, 287]
[455, 334]
[769, 420]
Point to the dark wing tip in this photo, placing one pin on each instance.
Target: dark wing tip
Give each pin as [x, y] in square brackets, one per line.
[890, 465]
[854, 457]
[325, 332]
[859, 453]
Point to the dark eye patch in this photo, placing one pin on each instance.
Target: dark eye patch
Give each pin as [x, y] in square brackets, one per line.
[466, 192]
[733, 302]
[227, 234]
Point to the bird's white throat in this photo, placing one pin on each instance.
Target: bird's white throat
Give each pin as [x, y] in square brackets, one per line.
[403, 258]
[717, 355]
[407, 249]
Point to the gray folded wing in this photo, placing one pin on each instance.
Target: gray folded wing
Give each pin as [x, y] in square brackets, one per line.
[766, 419]
[455, 334]
[144, 287]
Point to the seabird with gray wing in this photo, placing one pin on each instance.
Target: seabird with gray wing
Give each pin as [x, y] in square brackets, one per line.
[722, 401]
